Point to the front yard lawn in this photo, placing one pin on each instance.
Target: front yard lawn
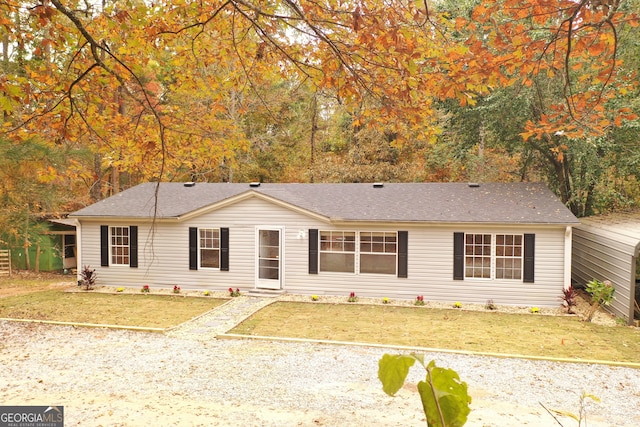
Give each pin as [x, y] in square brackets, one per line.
[152, 311]
[489, 332]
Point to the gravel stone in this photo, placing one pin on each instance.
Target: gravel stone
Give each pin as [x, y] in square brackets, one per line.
[126, 378]
[187, 377]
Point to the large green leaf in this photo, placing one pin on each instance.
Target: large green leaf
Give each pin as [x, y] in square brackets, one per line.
[392, 371]
[444, 397]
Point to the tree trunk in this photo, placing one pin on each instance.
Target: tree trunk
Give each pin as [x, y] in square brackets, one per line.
[5, 51]
[480, 166]
[96, 188]
[37, 262]
[314, 129]
[21, 51]
[115, 180]
[27, 261]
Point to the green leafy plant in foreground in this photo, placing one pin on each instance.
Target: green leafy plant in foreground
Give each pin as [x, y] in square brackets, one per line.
[444, 397]
[601, 294]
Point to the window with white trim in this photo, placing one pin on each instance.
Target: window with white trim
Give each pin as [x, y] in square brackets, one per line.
[119, 245]
[337, 251]
[493, 256]
[509, 253]
[378, 252]
[209, 247]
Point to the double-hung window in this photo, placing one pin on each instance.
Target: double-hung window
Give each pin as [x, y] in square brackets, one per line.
[366, 252]
[509, 255]
[209, 247]
[493, 256]
[337, 251]
[378, 250]
[119, 245]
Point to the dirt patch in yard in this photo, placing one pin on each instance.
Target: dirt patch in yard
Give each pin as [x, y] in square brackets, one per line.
[26, 282]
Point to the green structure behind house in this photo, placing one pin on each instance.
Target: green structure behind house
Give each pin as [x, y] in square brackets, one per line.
[53, 249]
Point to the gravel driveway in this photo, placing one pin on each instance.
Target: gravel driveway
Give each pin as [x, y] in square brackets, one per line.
[123, 378]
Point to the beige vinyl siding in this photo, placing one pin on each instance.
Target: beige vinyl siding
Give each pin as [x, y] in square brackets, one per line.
[430, 271]
[164, 258]
[606, 255]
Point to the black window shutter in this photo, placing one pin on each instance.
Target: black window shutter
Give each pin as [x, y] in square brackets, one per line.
[313, 251]
[458, 256]
[403, 243]
[529, 257]
[193, 248]
[224, 249]
[104, 245]
[133, 246]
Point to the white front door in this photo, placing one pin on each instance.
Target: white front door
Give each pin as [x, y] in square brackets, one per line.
[269, 257]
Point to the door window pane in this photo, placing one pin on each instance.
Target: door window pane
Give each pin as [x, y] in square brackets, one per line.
[269, 254]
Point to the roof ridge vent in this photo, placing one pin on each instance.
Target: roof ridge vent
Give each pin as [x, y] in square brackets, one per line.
[474, 184]
[189, 184]
[378, 185]
[254, 184]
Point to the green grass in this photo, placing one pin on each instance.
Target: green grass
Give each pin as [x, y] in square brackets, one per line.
[154, 311]
[492, 332]
[479, 331]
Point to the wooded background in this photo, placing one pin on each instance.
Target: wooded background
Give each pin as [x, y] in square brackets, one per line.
[100, 96]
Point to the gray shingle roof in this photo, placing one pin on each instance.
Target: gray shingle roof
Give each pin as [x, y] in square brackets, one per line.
[514, 203]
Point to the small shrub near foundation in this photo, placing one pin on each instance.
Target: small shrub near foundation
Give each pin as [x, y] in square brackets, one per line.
[490, 305]
[88, 278]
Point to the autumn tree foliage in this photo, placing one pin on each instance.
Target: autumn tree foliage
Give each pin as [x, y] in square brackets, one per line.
[181, 89]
